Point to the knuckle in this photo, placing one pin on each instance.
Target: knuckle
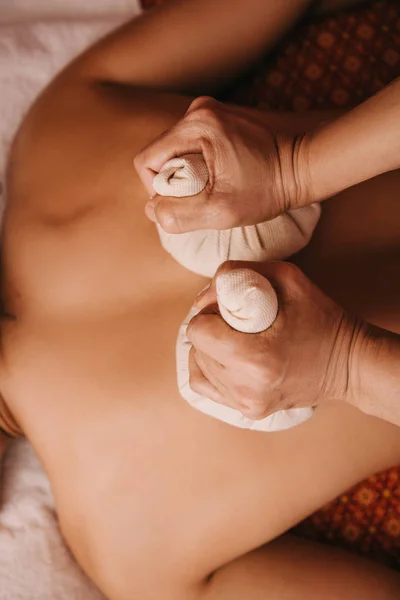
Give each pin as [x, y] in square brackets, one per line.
[289, 405]
[196, 326]
[195, 382]
[201, 101]
[198, 321]
[199, 359]
[140, 164]
[254, 410]
[166, 217]
[207, 114]
[290, 274]
[288, 269]
[254, 414]
[137, 161]
[190, 330]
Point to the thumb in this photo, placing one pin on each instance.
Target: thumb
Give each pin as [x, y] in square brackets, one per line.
[181, 215]
[182, 204]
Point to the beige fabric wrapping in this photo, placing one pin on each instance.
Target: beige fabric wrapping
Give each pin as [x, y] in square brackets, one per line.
[182, 176]
[203, 251]
[246, 300]
[248, 303]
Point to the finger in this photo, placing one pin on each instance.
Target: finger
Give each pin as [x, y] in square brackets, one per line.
[233, 392]
[253, 410]
[209, 385]
[201, 102]
[198, 382]
[146, 176]
[211, 371]
[220, 380]
[215, 108]
[223, 380]
[183, 138]
[212, 367]
[206, 296]
[149, 209]
[181, 215]
[211, 335]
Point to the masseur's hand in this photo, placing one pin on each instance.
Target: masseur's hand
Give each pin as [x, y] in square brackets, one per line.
[311, 352]
[254, 173]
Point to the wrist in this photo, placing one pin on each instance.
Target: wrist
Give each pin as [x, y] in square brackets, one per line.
[326, 168]
[294, 183]
[359, 145]
[345, 341]
[375, 374]
[330, 167]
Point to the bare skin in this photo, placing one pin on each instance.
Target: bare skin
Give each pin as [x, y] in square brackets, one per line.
[153, 497]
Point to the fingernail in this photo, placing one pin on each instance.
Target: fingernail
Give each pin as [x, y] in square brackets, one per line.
[202, 292]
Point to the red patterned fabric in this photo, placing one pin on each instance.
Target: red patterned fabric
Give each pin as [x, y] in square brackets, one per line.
[365, 520]
[327, 63]
[330, 63]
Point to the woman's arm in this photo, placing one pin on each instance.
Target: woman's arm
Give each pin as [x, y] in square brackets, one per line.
[196, 47]
[361, 144]
[294, 569]
[189, 46]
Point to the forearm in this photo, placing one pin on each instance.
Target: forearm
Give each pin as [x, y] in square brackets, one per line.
[191, 46]
[377, 384]
[361, 144]
[289, 567]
